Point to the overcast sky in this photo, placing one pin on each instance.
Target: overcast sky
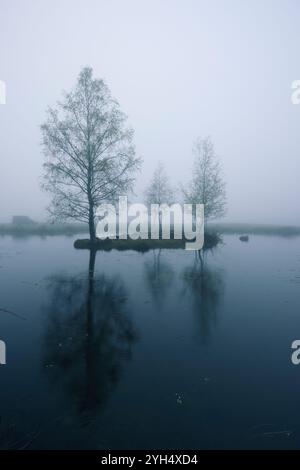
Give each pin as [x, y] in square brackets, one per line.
[180, 69]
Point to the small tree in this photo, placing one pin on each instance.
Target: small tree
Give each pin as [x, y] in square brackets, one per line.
[159, 191]
[90, 158]
[207, 186]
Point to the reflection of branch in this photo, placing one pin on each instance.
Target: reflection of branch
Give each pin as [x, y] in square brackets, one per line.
[12, 313]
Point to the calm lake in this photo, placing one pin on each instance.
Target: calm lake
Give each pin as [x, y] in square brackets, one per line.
[154, 351]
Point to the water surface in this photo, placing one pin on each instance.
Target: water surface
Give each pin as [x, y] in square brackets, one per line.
[152, 351]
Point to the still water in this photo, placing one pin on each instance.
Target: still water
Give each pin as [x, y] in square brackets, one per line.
[151, 350]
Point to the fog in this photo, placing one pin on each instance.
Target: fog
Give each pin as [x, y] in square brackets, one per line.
[180, 69]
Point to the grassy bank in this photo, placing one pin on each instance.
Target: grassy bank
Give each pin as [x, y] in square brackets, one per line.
[42, 229]
[255, 229]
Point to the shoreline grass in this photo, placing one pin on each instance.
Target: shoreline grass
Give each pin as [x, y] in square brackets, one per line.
[255, 229]
[42, 229]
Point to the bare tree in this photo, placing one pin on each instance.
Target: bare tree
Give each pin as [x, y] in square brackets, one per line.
[90, 157]
[159, 191]
[207, 186]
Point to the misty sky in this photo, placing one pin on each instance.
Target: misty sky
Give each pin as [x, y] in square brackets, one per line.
[180, 69]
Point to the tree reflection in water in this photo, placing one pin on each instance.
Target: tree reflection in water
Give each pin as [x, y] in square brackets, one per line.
[206, 285]
[159, 276]
[89, 336]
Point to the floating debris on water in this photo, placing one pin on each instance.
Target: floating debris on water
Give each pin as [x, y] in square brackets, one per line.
[4, 310]
[179, 399]
[270, 431]
[206, 379]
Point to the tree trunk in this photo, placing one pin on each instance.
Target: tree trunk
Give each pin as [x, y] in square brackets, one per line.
[92, 226]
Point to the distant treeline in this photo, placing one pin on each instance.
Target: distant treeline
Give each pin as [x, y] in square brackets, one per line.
[44, 229]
